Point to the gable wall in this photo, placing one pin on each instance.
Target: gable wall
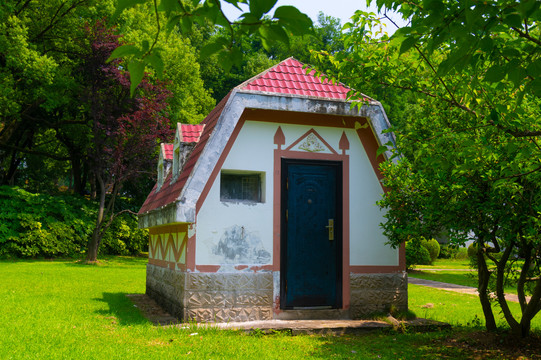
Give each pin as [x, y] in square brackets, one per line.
[219, 223]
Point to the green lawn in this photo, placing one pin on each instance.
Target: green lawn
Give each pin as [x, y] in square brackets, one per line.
[466, 278]
[66, 310]
[447, 264]
[454, 308]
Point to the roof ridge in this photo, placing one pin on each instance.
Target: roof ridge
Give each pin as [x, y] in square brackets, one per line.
[261, 74]
[294, 77]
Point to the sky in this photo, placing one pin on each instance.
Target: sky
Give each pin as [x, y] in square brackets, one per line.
[342, 9]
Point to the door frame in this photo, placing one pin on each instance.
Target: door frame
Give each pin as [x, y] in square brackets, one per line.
[339, 222]
[283, 151]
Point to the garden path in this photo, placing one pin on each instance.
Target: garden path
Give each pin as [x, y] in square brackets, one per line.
[456, 288]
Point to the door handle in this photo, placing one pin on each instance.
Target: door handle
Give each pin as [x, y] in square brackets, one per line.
[331, 229]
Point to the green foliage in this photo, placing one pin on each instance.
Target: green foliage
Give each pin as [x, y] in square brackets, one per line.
[416, 254]
[472, 251]
[40, 225]
[187, 17]
[259, 56]
[433, 248]
[124, 238]
[469, 138]
[190, 101]
[453, 252]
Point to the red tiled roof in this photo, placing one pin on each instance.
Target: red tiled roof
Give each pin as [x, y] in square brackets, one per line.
[169, 192]
[168, 151]
[289, 77]
[191, 133]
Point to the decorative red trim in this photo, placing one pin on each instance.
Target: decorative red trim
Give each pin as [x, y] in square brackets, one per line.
[254, 268]
[344, 143]
[219, 164]
[167, 264]
[207, 268]
[296, 118]
[370, 145]
[162, 246]
[345, 230]
[280, 154]
[257, 268]
[311, 131]
[279, 137]
[174, 228]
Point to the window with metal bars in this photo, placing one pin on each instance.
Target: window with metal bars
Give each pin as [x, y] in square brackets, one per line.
[240, 187]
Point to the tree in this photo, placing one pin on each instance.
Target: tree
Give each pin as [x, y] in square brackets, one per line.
[185, 16]
[466, 78]
[256, 58]
[190, 101]
[484, 57]
[125, 130]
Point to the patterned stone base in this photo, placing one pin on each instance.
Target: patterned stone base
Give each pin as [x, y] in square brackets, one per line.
[372, 293]
[204, 297]
[232, 297]
[166, 287]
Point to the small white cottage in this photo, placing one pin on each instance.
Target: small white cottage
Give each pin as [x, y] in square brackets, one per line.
[267, 210]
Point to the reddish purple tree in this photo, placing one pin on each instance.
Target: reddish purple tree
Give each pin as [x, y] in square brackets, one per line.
[125, 129]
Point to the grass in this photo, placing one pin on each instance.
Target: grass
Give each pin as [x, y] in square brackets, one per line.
[454, 308]
[64, 309]
[466, 278]
[447, 264]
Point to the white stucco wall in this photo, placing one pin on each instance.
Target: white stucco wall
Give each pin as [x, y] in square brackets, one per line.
[367, 242]
[254, 151]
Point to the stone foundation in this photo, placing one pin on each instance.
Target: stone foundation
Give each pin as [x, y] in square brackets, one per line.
[204, 297]
[248, 296]
[372, 293]
[166, 287]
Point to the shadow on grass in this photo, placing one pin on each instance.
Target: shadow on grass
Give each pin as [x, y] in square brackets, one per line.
[121, 309]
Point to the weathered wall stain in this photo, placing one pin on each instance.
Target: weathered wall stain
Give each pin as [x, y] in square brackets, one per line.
[237, 245]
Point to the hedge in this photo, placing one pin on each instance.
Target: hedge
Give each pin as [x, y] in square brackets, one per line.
[42, 225]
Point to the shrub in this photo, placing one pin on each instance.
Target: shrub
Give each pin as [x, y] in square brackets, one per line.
[416, 254]
[462, 253]
[124, 238]
[472, 251]
[448, 251]
[453, 252]
[433, 247]
[41, 225]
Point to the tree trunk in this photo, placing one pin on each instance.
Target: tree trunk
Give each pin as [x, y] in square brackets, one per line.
[532, 309]
[94, 243]
[500, 291]
[77, 176]
[13, 166]
[484, 276]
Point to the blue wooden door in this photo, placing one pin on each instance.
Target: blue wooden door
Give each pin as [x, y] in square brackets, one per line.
[311, 234]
